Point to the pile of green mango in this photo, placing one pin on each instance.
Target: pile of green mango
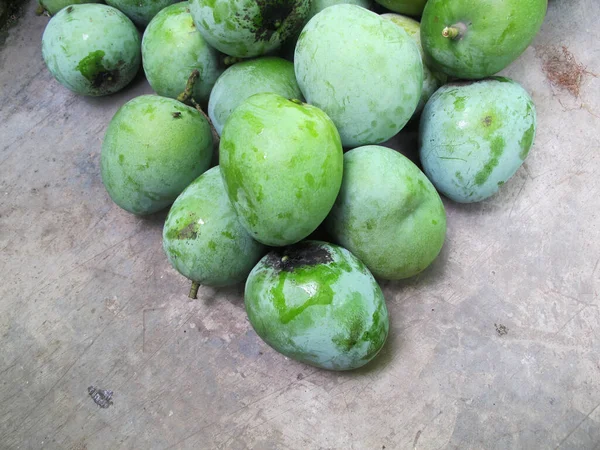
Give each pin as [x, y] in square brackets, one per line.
[264, 140]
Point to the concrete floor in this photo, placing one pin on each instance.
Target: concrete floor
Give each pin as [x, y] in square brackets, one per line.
[495, 346]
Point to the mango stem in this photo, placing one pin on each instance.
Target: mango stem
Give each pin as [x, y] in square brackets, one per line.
[231, 60]
[194, 291]
[186, 96]
[189, 87]
[455, 31]
[215, 134]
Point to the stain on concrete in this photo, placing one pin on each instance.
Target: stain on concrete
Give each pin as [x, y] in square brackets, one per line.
[501, 330]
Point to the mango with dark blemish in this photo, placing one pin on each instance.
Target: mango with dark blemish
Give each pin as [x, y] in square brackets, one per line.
[248, 28]
[203, 238]
[282, 165]
[91, 49]
[364, 71]
[474, 39]
[317, 303]
[150, 154]
[387, 213]
[475, 135]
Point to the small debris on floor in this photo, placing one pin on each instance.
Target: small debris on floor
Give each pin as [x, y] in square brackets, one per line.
[501, 329]
[102, 397]
[562, 69]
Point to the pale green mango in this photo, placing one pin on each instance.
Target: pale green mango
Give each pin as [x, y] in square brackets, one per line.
[475, 135]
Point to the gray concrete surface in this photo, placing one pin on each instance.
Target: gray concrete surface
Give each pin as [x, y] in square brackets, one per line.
[496, 346]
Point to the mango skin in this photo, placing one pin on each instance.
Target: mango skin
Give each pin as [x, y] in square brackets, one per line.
[432, 80]
[321, 306]
[282, 166]
[54, 6]
[248, 28]
[388, 214]
[491, 41]
[334, 61]
[410, 7]
[91, 49]
[172, 48]
[153, 149]
[203, 238]
[475, 135]
[246, 78]
[140, 12]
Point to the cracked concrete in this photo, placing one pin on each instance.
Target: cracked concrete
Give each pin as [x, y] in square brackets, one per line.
[495, 346]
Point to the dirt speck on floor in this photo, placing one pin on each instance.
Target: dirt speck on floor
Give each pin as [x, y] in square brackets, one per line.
[502, 330]
[561, 68]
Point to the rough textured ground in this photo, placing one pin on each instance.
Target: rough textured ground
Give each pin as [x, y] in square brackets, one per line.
[496, 346]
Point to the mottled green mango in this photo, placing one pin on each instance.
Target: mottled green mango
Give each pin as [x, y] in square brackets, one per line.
[244, 79]
[140, 11]
[153, 149]
[248, 28]
[54, 6]
[475, 135]
[475, 39]
[365, 72]
[317, 303]
[91, 49]
[172, 48]
[203, 238]
[282, 165]
[432, 80]
[388, 213]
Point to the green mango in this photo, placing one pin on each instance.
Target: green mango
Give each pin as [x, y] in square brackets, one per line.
[244, 79]
[172, 48]
[153, 149]
[365, 72]
[410, 7]
[282, 165]
[91, 49]
[475, 39]
[317, 303]
[432, 80]
[54, 6]
[203, 238]
[140, 12]
[248, 28]
[387, 213]
[475, 135]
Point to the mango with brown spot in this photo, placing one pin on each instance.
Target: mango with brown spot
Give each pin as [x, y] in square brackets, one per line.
[203, 238]
[474, 136]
